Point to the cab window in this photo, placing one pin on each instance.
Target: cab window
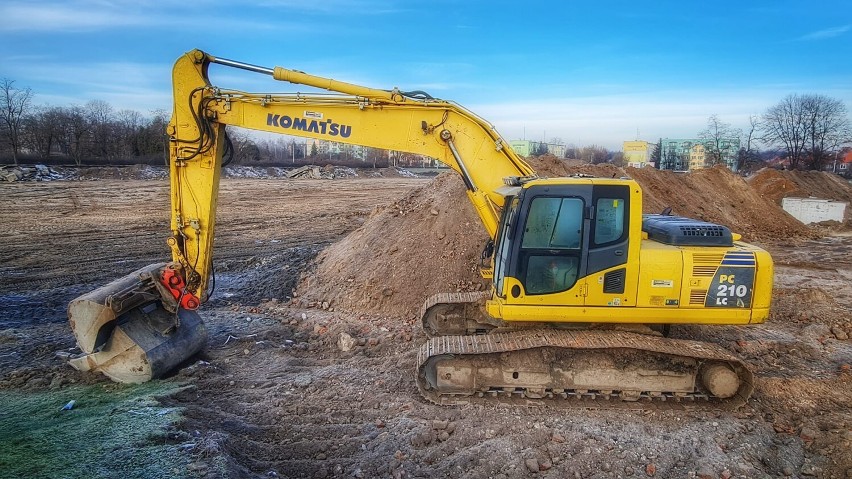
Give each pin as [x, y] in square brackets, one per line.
[554, 223]
[550, 249]
[609, 220]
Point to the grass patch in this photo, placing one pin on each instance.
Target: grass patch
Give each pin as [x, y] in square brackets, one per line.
[113, 430]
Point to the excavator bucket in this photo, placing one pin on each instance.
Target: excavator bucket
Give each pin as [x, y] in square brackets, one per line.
[127, 331]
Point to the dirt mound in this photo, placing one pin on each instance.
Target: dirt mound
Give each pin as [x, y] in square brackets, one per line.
[425, 243]
[775, 185]
[430, 241]
[715, 194]
[718, 196]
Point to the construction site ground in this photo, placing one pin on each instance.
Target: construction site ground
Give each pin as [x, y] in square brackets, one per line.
[309, 371]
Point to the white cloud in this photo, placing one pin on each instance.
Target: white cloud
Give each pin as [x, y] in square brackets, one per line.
[77, 16]
[91, 15]
[826, 33]
[608, 120]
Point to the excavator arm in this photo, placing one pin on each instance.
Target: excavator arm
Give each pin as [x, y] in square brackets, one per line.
[386, 119]
[167, 295]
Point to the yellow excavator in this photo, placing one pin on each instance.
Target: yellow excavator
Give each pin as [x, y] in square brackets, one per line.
[584, 286]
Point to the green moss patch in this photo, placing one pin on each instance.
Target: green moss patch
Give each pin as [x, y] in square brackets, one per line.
[112, 431]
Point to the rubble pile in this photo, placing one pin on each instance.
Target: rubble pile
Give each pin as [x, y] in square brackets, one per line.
[148, 172]
[327, 172]
[31, 173]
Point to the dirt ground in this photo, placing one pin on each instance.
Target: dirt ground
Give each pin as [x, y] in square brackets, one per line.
[274, 395]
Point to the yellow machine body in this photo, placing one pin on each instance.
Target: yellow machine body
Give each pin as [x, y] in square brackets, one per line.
[567, 250]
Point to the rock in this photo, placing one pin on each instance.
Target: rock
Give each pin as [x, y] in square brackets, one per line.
[304, 316]
[787, 471]
[839, 333]
[532, 464]
[423, 439]
[557, 438]
[325, 305]
[809, 470]
[443, 436]
[439, 424]
[38, 382]
[322, 473]
[434, 212]
[651, 470]
[808, 434]
[346, 342]
[726, 474]
[705, 472]
[56, 382]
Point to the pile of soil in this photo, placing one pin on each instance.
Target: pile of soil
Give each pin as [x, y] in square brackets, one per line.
[427, 242]
[719, 196]
[430, 241]
[775, 185]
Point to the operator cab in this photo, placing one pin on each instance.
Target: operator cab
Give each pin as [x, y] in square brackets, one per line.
[555, 233]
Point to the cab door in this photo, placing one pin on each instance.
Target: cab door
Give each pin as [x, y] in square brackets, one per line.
[543, 253]
[609, 269]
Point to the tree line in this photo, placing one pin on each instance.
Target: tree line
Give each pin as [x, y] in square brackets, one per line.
[94, 132]
[809, 130]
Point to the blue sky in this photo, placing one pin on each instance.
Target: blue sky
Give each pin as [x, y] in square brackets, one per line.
[593, 72]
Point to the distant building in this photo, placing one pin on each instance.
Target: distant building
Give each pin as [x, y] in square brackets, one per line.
[691, 154]
[637, 153]
[842, 165]
[336, 148]
[529, 147]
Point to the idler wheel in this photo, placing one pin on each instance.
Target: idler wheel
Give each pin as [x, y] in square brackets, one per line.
[720, 380]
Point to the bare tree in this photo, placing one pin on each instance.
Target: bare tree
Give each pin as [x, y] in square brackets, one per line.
[75, 132]
[827, 128]
[748, 153]
[245, 150]
[809, 127]
[102, 123]
[718, 141]
[14, 106]
[128, 132]
[784, 124]
[594, 154]
[42, 130]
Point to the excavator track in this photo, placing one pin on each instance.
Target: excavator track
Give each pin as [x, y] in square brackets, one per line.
[585, 369]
